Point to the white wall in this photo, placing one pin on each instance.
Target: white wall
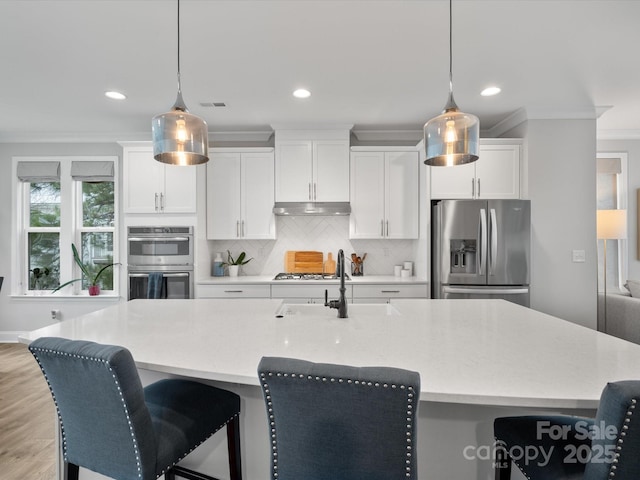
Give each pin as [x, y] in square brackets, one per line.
[632, 149]
[21, 314]
[561, 183]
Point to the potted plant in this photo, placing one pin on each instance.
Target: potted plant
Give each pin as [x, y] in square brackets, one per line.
[94, 287]
[234, 265]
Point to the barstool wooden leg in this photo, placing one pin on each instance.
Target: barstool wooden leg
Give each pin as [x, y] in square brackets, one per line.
[233, 445]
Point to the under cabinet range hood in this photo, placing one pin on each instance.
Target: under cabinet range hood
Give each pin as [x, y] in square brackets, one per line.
[312, 208]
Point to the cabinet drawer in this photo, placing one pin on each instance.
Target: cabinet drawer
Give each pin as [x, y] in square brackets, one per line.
[233, 291]
[390, 291]
[308, 291]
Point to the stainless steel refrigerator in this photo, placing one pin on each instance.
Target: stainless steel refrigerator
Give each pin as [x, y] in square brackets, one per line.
[481, 249]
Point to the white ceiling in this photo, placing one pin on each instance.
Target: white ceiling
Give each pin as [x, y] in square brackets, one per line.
[379, 65]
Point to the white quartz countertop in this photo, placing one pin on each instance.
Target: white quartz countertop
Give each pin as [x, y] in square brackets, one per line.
[489, 352]
[268, 279]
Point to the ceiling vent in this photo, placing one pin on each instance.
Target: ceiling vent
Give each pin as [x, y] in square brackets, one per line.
[213, 104]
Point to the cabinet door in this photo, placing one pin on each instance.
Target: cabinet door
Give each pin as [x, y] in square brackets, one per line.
[293, 171]
[453, 182]
[179, 194]
[256, 189]
[401, 194]
[143, 181]
[330, 171]
[498, 172]
[367, 195]
[223, 196]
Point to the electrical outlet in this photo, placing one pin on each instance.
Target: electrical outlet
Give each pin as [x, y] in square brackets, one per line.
[56, 315]
[578, 256]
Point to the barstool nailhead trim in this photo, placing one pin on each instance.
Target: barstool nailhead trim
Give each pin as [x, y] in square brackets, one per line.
[265, 385]
[620, 442]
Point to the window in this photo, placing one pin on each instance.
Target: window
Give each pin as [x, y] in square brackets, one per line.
[63, 201]
[612, 195]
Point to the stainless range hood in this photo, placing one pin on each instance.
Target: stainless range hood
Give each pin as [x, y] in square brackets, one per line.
[312, 208]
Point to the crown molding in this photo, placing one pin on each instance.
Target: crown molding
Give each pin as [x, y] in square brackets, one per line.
[387, 135]
[618, 134]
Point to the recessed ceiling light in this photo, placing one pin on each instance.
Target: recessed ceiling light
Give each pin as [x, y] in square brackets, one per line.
[490, 91]
[115, 95]
[302, 93]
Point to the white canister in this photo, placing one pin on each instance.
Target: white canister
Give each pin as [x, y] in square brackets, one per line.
[405, 273]
[409, 266]
[397, 270]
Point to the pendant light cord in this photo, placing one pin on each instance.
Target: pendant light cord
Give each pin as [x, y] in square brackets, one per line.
[178, 16]
[450, 47]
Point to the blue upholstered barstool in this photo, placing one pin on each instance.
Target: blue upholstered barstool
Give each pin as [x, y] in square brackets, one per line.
[112, 425]
[335, 422]
[604, 448]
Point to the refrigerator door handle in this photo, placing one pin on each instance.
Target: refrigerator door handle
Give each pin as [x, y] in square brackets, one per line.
[494, 242]
[483, 240]
[487, 291]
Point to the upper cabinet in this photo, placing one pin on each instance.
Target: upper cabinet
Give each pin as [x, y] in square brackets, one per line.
[312, 166]
[153, 187]
[240, 194]
[384, 193]
[496, 174]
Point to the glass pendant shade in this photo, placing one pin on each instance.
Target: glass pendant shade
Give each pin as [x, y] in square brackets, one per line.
[180, 138]
[451, 138]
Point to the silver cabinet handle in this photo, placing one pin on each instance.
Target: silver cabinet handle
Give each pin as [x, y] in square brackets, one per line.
[478, 188]
[242, 230]
[156, 201]
[310, 191]
[237, 228]
[315, 192]
[473, 188]
[389, 291]
[387, 228]
[162, 202]
[382, 228]
[233, 291]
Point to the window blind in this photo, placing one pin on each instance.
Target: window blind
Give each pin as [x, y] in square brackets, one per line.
[84, 171]
[35, 172]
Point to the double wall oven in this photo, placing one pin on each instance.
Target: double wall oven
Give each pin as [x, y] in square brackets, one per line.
[160, 262]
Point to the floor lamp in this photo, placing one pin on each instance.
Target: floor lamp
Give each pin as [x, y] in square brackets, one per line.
[611, 225]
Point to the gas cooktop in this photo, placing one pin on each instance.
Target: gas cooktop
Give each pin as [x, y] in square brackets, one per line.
[308, 276]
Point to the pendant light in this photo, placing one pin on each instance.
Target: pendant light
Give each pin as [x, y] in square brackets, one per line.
[451, 138]
[180, 138]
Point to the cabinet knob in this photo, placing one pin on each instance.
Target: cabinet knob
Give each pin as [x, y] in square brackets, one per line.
[478, 188]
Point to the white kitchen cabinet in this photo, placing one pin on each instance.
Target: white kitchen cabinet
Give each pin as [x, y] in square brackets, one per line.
[496, 174]
[154, 187]
[312, 170]
[308, 293]
[384, 194]
[385, 292]
[233, 290]
[240, 194]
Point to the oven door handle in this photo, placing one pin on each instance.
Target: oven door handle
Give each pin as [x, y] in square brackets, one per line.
[158, 239]
[164, 275]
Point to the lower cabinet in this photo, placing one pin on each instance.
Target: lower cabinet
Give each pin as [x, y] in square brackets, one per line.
[233, 291]
[383, 293]
[307, 293]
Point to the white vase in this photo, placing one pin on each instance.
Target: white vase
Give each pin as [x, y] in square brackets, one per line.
[233, 270]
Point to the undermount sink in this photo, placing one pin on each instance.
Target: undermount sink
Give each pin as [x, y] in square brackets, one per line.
[353, 310]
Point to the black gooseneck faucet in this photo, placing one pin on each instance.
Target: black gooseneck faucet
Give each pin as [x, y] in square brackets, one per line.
[340, 304]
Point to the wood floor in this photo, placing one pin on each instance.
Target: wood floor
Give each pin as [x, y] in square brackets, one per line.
[27, 418]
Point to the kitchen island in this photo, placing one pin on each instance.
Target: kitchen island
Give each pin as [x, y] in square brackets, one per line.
[477, 359]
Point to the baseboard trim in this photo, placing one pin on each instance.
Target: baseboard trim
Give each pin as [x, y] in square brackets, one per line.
[10, 336]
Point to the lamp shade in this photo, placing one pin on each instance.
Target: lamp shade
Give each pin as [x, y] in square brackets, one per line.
[451, 138]
[180, 138]
[611, 224]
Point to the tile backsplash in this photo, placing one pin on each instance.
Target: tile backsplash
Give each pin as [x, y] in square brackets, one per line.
[325, 234]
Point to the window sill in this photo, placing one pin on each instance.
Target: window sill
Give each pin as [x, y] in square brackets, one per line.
[80, 297]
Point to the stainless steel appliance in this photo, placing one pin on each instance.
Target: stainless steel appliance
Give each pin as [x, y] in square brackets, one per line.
[481, 249]
[165, 251]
